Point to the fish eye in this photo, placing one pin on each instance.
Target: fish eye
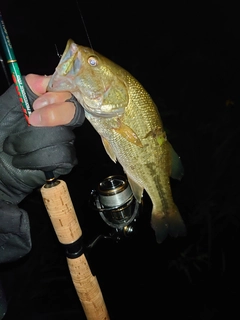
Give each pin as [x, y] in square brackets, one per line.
[92, 61]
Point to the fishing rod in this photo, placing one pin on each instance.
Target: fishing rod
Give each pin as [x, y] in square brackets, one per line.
[61, 211]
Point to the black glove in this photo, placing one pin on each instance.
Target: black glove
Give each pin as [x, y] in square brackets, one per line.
[25, 152]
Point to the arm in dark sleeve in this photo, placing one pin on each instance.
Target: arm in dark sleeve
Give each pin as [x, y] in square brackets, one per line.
[15, 239]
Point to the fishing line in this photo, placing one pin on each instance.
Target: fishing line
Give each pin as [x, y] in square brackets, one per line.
[87, 34]
[58, 54]
[84, 25]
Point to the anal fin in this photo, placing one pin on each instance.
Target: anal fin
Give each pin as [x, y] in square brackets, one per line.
[109, 149]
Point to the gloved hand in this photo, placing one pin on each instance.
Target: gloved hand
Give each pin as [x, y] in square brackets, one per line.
[25, 152]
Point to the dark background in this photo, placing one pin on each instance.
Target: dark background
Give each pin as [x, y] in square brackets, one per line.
[186, 54]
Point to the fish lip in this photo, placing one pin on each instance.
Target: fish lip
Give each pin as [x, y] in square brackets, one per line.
[98, 111]
[98, 114]
[70, 57]
[57, 82]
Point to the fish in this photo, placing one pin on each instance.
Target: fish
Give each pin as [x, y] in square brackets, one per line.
[130, 126]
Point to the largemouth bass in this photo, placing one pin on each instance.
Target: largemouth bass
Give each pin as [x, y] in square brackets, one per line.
[130, 126]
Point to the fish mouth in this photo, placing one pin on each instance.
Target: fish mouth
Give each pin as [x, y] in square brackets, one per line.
[60, 83]
[66, 70]
[67, 78]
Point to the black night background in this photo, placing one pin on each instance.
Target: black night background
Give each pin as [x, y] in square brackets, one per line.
[187, 56]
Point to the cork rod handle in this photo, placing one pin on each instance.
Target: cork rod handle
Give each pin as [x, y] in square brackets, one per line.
[61, 211]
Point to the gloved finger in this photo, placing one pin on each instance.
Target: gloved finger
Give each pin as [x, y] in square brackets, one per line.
[52, 115]
[36, 138]
[48, 159]
[79, 115]
[57, 108]
[49, 98]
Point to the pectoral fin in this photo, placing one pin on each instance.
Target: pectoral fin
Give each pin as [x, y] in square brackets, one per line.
[127, 133]
[137, 190]
[109, 149]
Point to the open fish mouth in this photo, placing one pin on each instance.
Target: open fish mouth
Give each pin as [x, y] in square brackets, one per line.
[61, 83]
[68, 76]
[66, 71]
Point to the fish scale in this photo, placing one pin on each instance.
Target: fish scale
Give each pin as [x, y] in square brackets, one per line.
[130, 126]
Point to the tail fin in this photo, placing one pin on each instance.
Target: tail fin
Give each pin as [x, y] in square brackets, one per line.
[169, 223]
